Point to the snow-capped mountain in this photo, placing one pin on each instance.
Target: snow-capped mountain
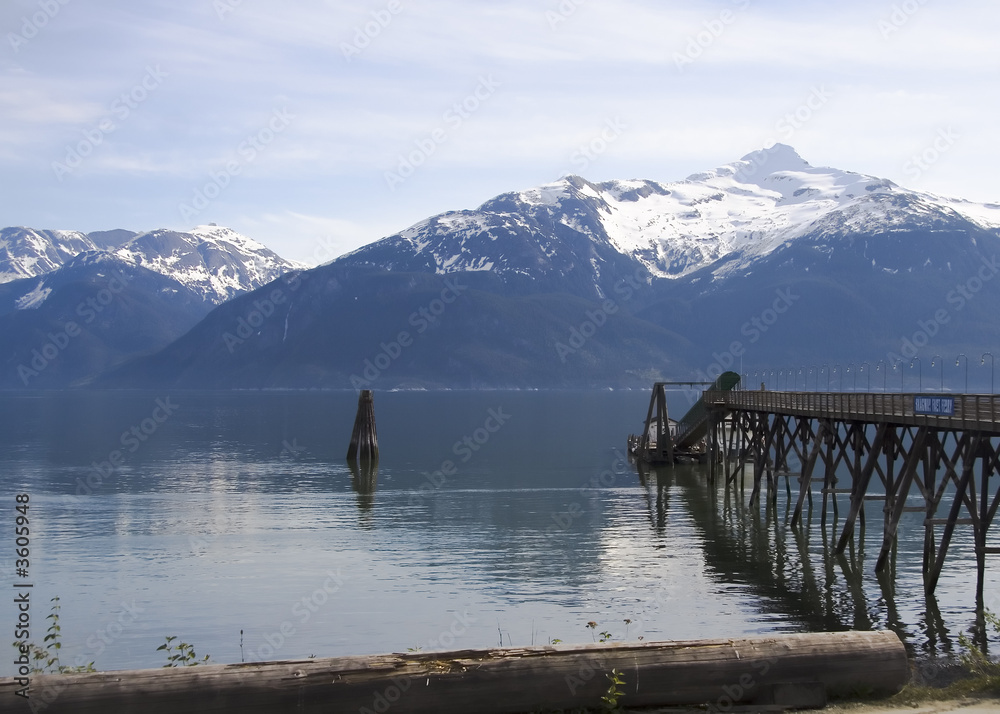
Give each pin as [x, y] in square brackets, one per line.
[766, 261]
[89, 315]
[215, 262]
[25, 252]
[741, 211]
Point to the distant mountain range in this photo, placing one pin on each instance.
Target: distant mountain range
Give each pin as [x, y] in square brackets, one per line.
[216, 262]
[74, 305]
[764, 261]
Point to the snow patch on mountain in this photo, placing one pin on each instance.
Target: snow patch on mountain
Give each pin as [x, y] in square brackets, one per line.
[216, 262]
[33, 300]
[28, 253]
[750, 207]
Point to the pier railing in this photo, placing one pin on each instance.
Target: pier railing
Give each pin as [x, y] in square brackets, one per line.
[975, 412]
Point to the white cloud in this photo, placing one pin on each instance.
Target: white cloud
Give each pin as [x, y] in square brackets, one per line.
[560, 81]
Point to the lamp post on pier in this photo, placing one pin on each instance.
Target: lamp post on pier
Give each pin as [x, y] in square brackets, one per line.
[868, 375]
[941, 360]
[884, 372]
[982, 361]
[920, 373]
[957, 360]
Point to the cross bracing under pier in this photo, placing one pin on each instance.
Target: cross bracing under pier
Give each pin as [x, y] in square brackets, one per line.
[934, 454]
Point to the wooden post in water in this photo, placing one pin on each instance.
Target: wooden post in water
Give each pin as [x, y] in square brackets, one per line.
[364, 441]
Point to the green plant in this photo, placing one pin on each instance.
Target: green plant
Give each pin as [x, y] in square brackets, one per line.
[45, 657]
[974, 659]
[183, 655]
[613, 694]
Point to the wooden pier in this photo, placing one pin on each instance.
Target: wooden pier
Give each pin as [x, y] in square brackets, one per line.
[932, 453]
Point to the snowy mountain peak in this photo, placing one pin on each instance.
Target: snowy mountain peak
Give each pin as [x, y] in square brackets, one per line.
[779, 157]
[26, 252]
[216, 262]
[739, 211]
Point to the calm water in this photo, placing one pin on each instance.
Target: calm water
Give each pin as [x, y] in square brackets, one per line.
[237, 511]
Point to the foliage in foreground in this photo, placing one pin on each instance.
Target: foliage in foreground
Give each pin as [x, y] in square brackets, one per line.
[45, 657]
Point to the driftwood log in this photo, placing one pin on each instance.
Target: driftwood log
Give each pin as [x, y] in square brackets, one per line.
[719, 673]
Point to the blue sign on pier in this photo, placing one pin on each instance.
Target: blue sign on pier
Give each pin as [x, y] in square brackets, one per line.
[936, 406]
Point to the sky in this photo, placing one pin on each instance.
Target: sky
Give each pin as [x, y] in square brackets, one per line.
[318, 126]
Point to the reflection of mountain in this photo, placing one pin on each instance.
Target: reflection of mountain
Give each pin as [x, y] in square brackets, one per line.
[776, 563]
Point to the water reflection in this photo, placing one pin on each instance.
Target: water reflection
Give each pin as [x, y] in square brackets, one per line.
[795, 574]
[239, 498]
[364, 477]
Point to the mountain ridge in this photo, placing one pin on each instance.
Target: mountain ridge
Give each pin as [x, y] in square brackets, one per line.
[861, 263]
[216, 262]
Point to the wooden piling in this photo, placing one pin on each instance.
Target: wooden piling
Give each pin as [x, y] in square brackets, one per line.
[364, 440]
[907, 440]
[719, 673]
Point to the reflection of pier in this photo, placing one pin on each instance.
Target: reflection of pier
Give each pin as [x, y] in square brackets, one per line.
[794, 573]
[932, 454]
